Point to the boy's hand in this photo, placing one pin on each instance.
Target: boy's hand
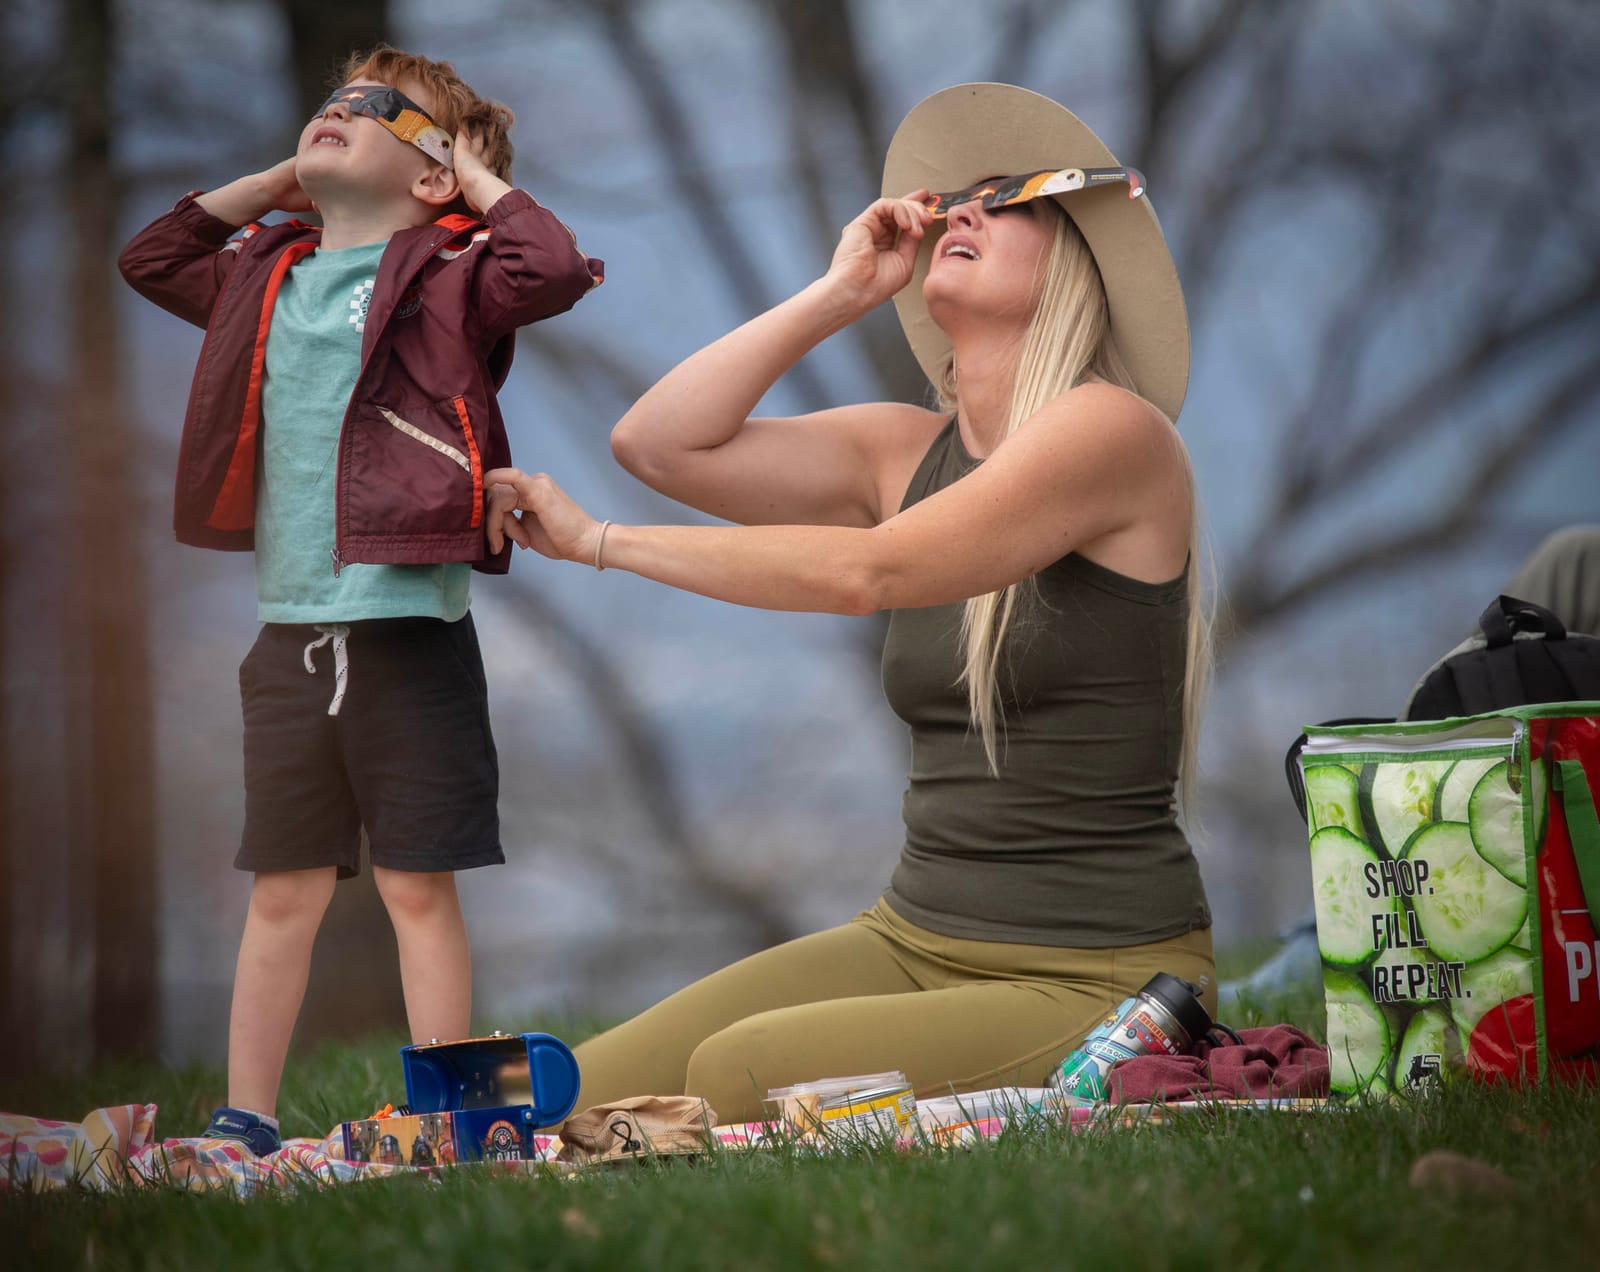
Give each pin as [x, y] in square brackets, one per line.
[250, 198]
[479, 186]
[284, 187]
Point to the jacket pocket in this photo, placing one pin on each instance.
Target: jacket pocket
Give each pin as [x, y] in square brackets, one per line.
[413, 468]
[428, 439]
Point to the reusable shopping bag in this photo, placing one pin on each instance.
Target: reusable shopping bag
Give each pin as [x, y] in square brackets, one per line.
[1456, 871]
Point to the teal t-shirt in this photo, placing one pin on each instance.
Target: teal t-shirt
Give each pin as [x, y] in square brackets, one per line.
[313, 358]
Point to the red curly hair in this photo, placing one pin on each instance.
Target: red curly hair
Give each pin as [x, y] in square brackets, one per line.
[455, 105]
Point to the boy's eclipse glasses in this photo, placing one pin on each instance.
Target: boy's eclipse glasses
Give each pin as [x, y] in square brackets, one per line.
[396, 112]
[1001, 192]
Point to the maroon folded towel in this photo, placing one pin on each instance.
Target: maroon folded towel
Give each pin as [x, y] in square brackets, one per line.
[1274, 1062]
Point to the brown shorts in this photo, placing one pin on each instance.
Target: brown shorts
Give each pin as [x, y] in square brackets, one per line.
[409, 756]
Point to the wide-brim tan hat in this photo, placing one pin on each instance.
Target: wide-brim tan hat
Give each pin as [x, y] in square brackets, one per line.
[968, 133]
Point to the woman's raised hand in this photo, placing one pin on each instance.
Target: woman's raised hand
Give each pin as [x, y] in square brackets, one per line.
[551, 524]
[878, 250]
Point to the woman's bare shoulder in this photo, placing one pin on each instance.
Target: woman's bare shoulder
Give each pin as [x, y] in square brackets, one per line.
[1113, 403]
[1110, 421]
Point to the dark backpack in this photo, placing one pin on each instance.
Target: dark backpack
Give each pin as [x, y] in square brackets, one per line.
[1521, 655]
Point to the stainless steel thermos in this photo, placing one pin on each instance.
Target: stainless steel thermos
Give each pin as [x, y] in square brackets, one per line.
[1166, 1017]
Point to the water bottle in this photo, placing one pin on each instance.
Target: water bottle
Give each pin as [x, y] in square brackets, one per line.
[1166, 1017]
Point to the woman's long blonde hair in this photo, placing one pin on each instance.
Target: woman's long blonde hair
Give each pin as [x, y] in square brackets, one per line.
[1068, 342]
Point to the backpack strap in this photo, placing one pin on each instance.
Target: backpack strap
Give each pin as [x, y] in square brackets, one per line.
[1506, 616]
[1513, 659]
[1529, 673]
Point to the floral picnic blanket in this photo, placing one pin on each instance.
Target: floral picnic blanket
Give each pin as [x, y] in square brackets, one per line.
[117, 1147]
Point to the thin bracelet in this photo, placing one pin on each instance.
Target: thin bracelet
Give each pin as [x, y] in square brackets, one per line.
[600, 543]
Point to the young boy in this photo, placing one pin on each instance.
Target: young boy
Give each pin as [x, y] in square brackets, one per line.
[342, 416]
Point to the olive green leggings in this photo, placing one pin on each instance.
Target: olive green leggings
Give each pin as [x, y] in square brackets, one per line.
[875, 995]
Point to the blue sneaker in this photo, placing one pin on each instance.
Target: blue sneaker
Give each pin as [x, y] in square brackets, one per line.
[258, 1134]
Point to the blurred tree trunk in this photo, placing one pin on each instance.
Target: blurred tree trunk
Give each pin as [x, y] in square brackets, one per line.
[355, 972]
[108, 763]
[322, 35]
[14, 988]
[836, 138]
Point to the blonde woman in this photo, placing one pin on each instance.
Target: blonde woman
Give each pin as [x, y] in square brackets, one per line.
[1034, 540]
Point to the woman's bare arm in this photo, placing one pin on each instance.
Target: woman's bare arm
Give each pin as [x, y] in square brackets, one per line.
[691, 436]
[1096, 470]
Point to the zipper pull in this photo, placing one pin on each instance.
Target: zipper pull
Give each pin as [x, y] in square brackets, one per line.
[1513, 767]
[338, 561]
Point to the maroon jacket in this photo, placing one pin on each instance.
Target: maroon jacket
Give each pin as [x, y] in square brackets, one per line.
[423, 425]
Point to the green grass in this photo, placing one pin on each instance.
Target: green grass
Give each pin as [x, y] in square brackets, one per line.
[1238, 1191]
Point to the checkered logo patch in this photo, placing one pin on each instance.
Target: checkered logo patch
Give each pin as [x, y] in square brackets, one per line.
[360, 302]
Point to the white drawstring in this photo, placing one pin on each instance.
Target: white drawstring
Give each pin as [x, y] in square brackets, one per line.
[339, 634]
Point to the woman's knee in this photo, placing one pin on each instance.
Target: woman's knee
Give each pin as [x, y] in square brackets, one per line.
[732, 1069]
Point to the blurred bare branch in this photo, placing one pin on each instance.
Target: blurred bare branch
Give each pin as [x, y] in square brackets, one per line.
[645, 773]
[1261, 595]
[1214, 197]
[1020, 31]
[692, 176]
[828, 79]
[1359, 130]
[1168, 70]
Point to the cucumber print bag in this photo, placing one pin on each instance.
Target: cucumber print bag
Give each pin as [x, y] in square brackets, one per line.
[1456, 870]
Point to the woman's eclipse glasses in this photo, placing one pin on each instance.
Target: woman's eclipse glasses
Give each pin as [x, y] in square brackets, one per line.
[1001, 192]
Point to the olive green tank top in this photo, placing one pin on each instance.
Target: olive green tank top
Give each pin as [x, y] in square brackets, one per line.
[1076, 843]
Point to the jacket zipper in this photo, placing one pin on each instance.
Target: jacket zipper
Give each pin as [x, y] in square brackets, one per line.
[474, 460]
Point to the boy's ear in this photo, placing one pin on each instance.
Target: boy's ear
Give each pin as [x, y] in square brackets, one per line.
[437, 186]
